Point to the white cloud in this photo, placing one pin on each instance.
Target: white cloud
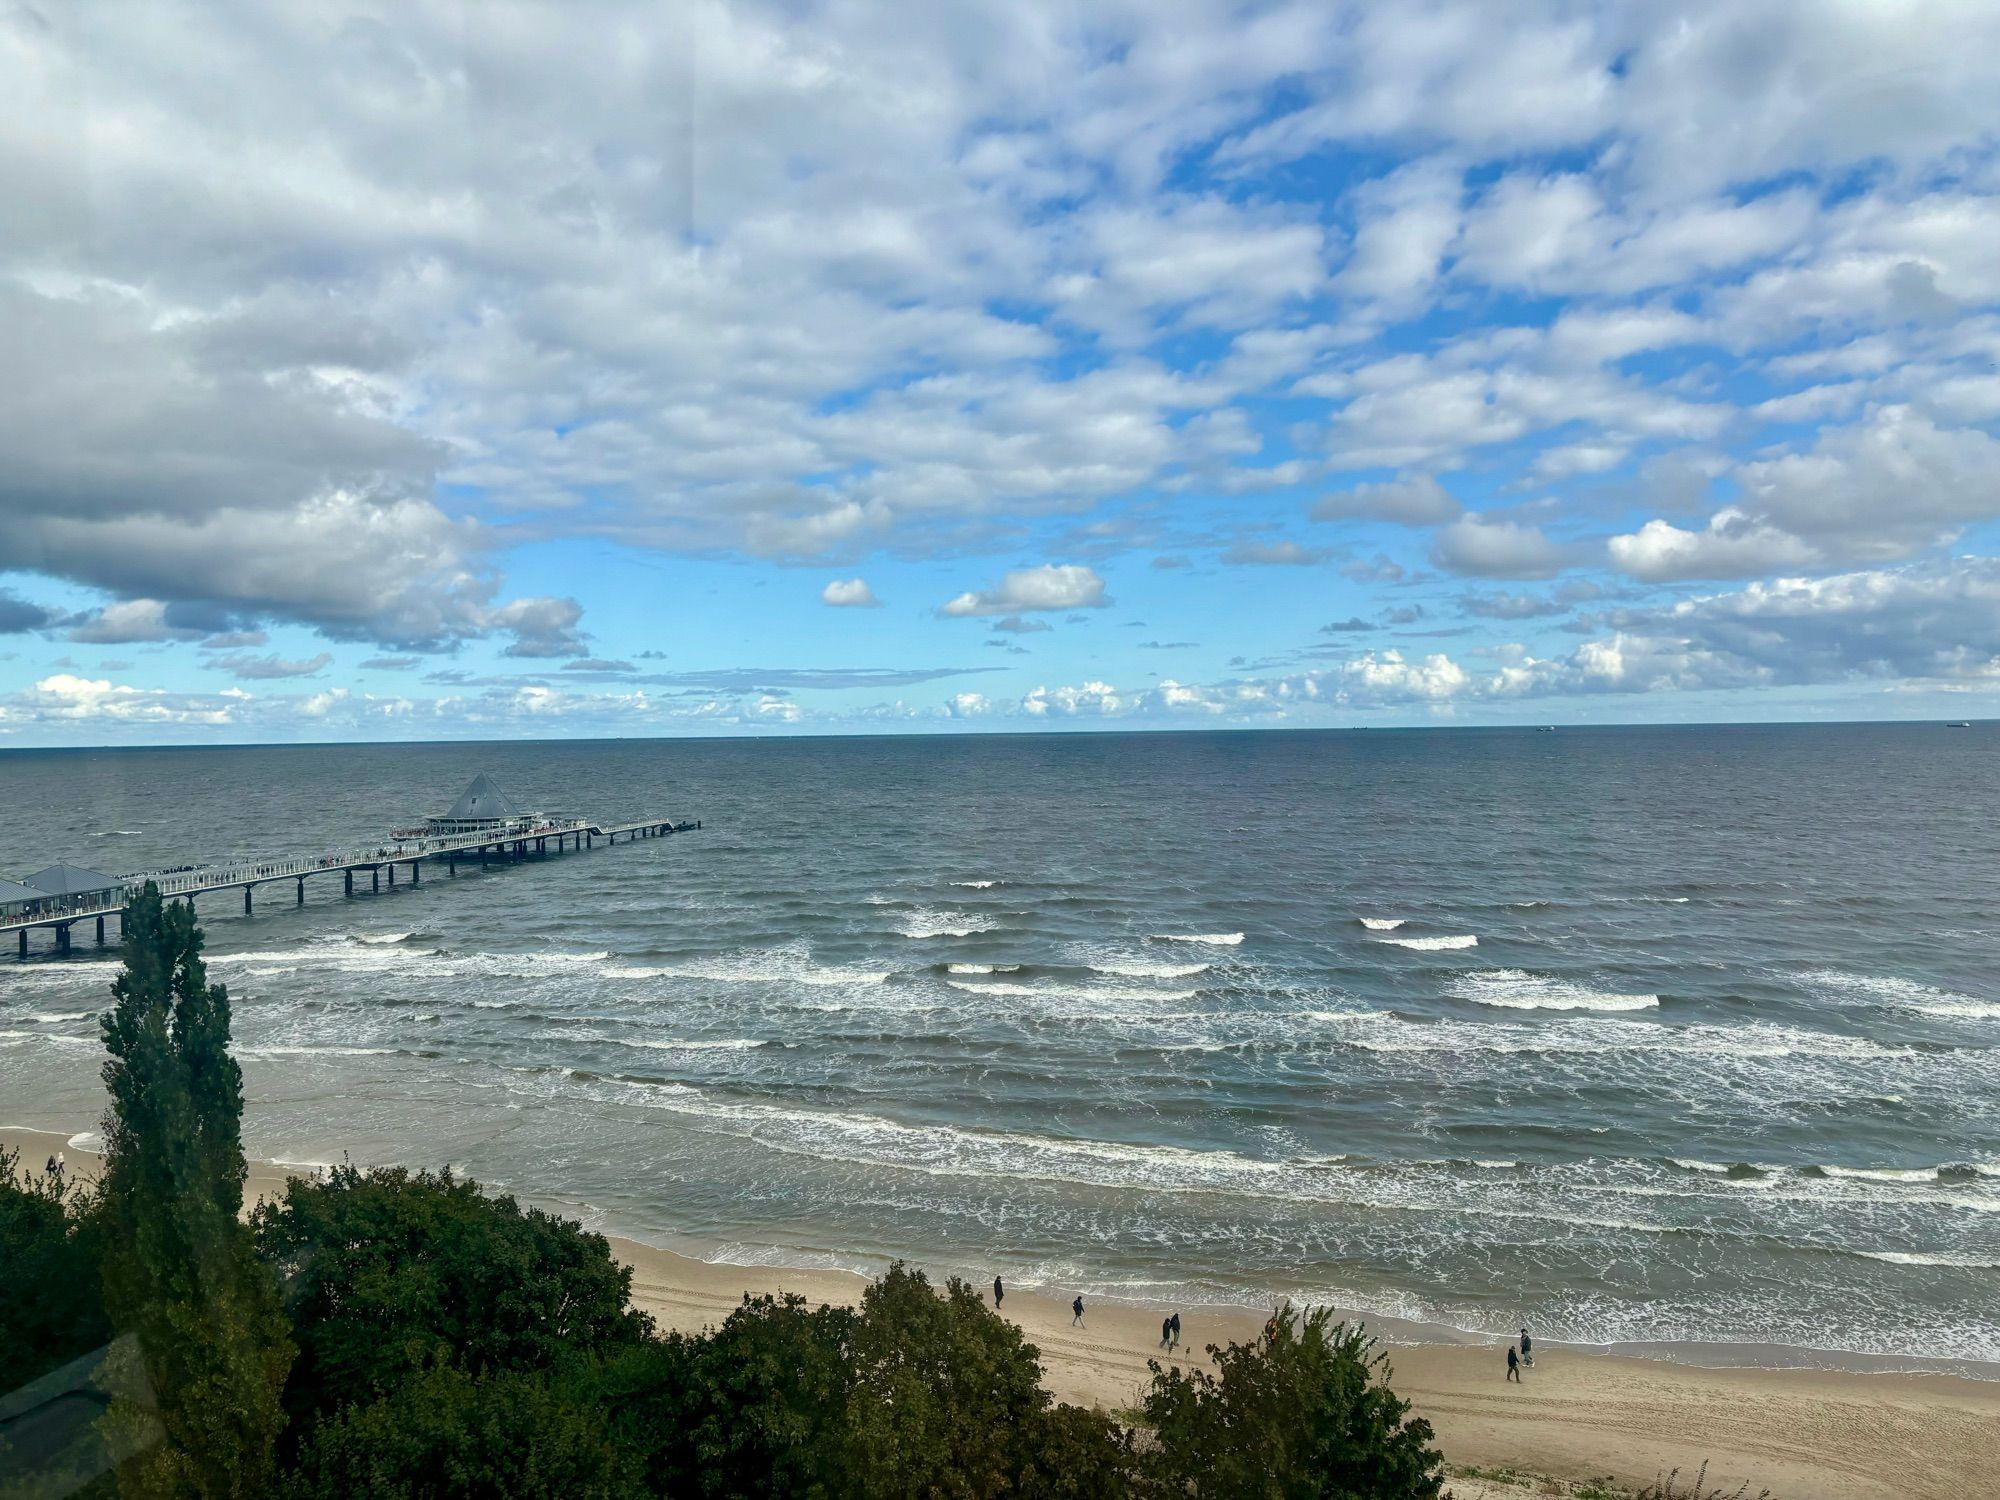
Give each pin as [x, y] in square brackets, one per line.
[1732, 545]
[849, 593]
[1414, 500]
[1052, 586]
[1484, 547]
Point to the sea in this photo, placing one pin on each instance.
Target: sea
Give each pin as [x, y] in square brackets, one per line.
[1675, 1037]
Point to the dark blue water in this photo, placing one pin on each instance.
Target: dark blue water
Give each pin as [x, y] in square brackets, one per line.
[1676, 1034]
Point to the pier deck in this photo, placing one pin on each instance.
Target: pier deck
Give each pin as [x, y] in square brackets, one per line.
[485, 845]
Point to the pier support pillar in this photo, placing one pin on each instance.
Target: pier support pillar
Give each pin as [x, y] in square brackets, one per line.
[302, 890]
[416, 873]
[62, 938]
[451, 865]
[590, 841]
[246, 900]
[100, 932]
[376, 875]
[350, 881]
[24, 942]
[392, 877]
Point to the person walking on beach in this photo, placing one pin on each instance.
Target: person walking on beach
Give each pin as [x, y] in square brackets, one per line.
[1527, 1348]
[1175, 1324]
[998, 1292]
[1166, 1331]
[1513, 1364]
[1076, 1312]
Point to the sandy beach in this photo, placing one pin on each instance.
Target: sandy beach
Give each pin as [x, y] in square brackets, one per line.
[1823, 1434]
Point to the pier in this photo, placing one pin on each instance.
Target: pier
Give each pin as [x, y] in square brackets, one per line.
[482, 827]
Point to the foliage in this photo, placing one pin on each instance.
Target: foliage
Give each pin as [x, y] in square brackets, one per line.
[443, 1434]
[947, 1400]
[1668, 1487]
[385, 1271]
[755, 1408]
[1303, 1412]
[52, 1295]
[179, 1269]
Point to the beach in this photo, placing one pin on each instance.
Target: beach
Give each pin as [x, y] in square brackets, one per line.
[1824, 1434]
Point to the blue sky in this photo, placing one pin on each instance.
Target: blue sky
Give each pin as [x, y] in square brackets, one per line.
[836, 368]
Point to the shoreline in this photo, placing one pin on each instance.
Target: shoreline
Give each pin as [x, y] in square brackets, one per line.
[1583, 1413]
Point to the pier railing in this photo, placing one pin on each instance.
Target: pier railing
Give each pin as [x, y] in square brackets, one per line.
[193, 880]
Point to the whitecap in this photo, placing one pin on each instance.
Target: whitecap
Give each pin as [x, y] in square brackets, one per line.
[1383, 924]
[1514, 989]
[381, 937]
[731, 1044]
[932, 924]
[1152, 971]
[1218, 939]
[56, 1017]
[1917, 1258]
[1885, 1174]
[976, 885]
[1433, 944]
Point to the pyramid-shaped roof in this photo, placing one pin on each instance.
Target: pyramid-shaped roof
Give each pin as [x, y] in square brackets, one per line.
[72, 880]
[12, 891]
[482, 801]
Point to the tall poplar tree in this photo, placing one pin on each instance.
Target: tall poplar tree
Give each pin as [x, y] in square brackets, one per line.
[181, 1272]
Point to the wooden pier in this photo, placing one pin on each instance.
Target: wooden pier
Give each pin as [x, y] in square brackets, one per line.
[503, 839]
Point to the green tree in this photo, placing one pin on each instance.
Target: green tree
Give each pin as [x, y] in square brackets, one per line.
[948, 1401]
[1303, 1413]
[179, 1268]
[756, 1408]
[444, 1434]
[52, 1292]
[384, 1271]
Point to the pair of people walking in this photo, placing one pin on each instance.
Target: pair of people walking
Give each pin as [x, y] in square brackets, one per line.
[1525, 1355]
[1170, 1332]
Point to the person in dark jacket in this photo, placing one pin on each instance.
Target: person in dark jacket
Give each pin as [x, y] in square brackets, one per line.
[1513, 1364]
[1076, 1311]
[998, 1292]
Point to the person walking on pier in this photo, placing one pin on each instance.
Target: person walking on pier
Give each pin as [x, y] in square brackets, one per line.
[1076, 1312]
[998, 1292]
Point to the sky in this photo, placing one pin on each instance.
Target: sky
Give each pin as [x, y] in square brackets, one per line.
[435, 370]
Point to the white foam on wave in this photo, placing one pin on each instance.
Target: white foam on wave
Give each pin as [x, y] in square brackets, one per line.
[976, 885]
[1918, 1258]
[1216, 939]
[1885, 1174]
[1383, 924]
[982, 968]
[924, 923]
[1904, 994]
[264, 1052]
[382, 937]
[729, 1044]
[1152, 971]
[1058, 991]
[1516, 989]
[1433, 944]
[57, 1017]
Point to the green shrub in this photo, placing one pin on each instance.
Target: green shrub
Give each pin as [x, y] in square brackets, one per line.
[1303, 1412]
[52, 1292]
[445, 1435]
[385, 1271]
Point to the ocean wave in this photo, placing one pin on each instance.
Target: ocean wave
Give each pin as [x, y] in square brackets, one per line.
[1218, 939]
[1433, 944]
[1918, 1258]
[1055, 991]
[382, 937]
[731, 1044]
[1152, 971]
[1515, 989]
[318, 1051]
[1383, 924]
[1903, 994]
[1884, 1174]
[935, 924]
[976, 885]
[982, 968]
[57, 1017]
